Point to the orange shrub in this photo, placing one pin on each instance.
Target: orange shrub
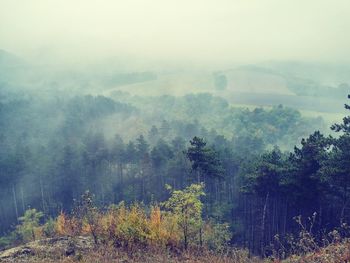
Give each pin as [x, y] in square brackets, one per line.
[69, 226]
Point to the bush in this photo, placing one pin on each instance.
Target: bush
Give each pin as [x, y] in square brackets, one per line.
[134, 225]
[29, 229]
[216, 236]
[49, 228]
[6, 241]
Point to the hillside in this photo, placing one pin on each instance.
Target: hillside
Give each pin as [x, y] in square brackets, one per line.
[246, 147]
[82, 249]
[246, 85]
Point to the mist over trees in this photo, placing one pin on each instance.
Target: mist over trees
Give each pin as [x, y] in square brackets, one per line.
[175, 131]
[262, 169]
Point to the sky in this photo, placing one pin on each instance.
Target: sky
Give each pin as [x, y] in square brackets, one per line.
[205, 31]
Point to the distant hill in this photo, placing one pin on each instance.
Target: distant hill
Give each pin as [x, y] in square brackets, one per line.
[323, 73]
[307, 86]
[256, 81]
[9, 60]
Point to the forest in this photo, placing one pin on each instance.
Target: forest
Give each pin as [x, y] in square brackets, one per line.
[174, 131]
[265, 172]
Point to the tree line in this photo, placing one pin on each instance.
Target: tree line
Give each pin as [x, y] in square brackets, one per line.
[257, 191]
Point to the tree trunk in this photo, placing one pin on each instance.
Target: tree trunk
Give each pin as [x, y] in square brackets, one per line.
[185, 237]
[262, 241]
[121, 189]
[201, 236]
[345, 203]
[22, 197]
[15, 200]
[285, 219]
[342, 213]
[102, 193]
[42, 195]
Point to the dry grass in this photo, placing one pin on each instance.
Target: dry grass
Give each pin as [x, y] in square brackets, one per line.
[107, 254]
[333, 253]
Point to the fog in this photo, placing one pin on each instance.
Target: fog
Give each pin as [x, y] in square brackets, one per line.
[221, 32]
[112, 96]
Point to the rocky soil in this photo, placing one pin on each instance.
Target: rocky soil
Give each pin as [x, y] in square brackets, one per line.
[51, 248]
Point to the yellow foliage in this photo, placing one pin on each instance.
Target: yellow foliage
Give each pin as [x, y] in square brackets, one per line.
[38, 232]
[129, 225]
[162, 228]
[86, 228]
[66, 225]
[61, 224]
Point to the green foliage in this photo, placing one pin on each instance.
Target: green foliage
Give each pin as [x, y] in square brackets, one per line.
[29, 224]
[205, 161]
[186, 205]
[216, 236]
[6, 241]
[279, 125]
[265, 174]
[49, 228]
[88, 213]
